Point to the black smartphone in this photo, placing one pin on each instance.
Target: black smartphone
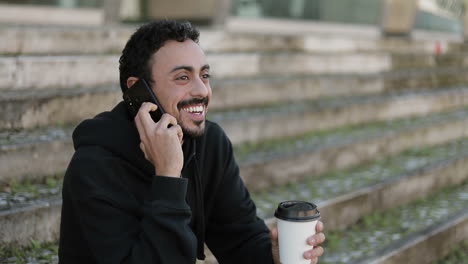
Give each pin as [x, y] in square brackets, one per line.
[139, 93]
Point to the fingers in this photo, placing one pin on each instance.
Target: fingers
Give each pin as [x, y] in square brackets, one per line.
[316, 239]
[313, 254]
[317, 251]
[167, 120]
[143, 119]
[319, 227]
[274, 233]
[178, 130]
[143, 114]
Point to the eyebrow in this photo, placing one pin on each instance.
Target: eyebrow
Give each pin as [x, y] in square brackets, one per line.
[190, 68]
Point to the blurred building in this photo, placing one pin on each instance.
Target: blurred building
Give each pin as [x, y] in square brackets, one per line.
[392, 16]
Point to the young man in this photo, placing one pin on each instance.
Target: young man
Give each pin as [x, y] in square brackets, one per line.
[139, 191]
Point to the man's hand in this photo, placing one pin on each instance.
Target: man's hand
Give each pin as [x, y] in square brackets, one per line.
[314, 241]
[161, 144]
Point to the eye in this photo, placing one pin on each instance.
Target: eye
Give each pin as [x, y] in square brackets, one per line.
[182, 78]
[206, 76]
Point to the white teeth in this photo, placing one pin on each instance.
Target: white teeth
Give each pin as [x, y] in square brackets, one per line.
[194, 109]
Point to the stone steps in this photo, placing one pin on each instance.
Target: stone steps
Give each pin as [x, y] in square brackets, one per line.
[287, 120]
[419, 232]
[457, 255]
[39, 72]
[35, 107]
[30, 39]
[261, 90]
[38, 219]
[344, 196]
[297, 107]
[425, 246]
[280, 162]
[35, 153]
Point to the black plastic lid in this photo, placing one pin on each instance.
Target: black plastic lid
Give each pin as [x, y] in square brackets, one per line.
[297, 211]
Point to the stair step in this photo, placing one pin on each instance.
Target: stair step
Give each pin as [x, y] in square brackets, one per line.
[31, 109]
[344, 196]
[417, 232]
[267, 162]
[426, 169]
[58, 40]
[39, 220]
[457, 255]
[34, 253]
[39, 72]
[256, 124]
[277, 162]
[33, 39]
[24, 154]
[30, 210]
[28, 192]
[34, 154]
[262, 90]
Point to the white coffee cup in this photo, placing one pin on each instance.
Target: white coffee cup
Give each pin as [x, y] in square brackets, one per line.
[296, 221]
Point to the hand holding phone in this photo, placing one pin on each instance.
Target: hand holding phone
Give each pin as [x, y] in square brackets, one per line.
[139, 93]
[161, 140]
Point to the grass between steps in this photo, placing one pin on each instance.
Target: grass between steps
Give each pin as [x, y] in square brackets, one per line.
[255, 151]
[456, 256]
[35, 253]
[381, 228]
[338, 182]
[18, 193]
[322, 103]
[373, 231]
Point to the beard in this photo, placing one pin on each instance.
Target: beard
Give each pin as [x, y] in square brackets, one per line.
[199, 129]
[193, 132]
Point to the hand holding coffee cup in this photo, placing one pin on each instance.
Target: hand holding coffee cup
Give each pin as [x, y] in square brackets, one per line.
[296, 222]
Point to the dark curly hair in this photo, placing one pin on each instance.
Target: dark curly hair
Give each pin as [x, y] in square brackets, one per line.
[148, 39]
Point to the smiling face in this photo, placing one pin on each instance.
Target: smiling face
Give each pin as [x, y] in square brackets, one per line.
[181, 84]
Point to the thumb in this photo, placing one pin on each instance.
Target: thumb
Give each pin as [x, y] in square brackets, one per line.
[274, 234]
[274, 244]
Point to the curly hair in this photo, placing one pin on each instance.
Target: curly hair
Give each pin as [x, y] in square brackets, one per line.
[148, 39]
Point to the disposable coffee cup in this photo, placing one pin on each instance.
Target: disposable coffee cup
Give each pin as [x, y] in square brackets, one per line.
[296, 222]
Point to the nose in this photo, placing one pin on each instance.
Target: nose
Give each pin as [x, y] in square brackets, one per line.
[200, 89]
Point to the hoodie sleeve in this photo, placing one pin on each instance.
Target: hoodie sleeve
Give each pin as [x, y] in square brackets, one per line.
[234, 233]
[118, 231]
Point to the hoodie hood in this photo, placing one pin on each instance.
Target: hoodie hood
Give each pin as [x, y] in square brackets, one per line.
[116, 132]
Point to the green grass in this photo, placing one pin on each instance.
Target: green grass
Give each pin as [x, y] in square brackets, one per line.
[318, 188]
[31, 186]
[382, 228]
[457, 256]
[21, 255]
[248, 151]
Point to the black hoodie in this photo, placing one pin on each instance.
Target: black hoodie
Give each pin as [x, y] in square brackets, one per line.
[115, 210]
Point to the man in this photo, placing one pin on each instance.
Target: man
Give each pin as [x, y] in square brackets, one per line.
[139, 191]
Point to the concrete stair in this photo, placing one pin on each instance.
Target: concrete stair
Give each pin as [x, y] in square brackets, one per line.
[302, 112]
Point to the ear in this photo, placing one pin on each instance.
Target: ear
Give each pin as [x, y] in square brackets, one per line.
[131, 81]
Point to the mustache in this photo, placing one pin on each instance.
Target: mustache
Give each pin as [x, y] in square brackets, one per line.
[193, 101]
